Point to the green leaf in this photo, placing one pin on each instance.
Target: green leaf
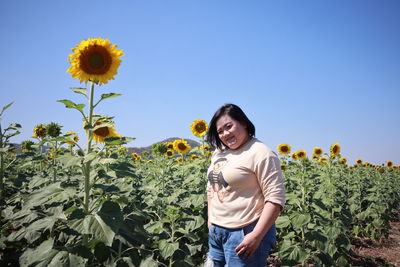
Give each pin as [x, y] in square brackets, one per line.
[14, 126]
[103, 225]
[167, 249]
[79, 90]
[70, 160]
[299, 220]
[50, 194]
[46, 255]
[298, 254]
[5, 107]
[282, 222]
[149, 262]
[118, 141]
[91, 156]
[70, 104]
[109, 95]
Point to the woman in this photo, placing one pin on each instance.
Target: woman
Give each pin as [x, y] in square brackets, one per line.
[245, 191]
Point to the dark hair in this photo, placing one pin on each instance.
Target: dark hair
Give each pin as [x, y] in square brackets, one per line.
[235, 113]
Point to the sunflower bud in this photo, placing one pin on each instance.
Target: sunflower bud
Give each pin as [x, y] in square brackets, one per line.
[53, 130]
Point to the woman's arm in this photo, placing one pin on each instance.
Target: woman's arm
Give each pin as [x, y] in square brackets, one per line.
[252, 240]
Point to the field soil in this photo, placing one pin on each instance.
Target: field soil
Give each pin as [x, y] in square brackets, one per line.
[383, 253]
[369, 253]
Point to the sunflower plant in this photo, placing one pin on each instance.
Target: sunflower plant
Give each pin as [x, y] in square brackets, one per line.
[5, 146]
[94, 61]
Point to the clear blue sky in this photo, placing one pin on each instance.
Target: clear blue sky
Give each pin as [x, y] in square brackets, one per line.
[307, 73]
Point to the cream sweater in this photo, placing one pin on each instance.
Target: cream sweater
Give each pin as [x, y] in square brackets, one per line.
[240, 182]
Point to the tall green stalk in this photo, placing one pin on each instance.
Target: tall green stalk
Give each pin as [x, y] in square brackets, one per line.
[86, 166]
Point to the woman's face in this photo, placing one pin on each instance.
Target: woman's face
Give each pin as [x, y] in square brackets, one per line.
[231, 132]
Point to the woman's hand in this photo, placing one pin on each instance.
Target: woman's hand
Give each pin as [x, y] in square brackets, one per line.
[249, 245]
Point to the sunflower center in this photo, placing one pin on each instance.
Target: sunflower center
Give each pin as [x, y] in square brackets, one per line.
[335, 149]
[200, 127]
[102, 132]
[181, 146]
[284, 149]
[95, 60]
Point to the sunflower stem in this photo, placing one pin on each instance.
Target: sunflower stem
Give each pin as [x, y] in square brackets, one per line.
[54, 164]
[89, 148]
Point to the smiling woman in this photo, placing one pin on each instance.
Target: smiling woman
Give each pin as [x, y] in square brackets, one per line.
[245, 191]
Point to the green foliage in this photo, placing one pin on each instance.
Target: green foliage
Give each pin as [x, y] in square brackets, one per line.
[154, 213]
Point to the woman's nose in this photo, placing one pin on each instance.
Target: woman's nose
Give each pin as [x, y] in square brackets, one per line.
[225, 133]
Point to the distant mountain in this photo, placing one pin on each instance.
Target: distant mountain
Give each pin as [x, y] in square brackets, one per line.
[140, 150]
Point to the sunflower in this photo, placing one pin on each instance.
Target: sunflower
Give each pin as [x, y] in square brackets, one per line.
[170, 145]
[169, 153]
[179, 160]
[323, 161]
[315, 157]
[300, 154]
[389, 164]
[283, 166]
[181, 146]
[102, 133]
[208, 154]
[193, 157]
[199, 128]
[284, 149]
[150, 161]
[359, 162]
[367, 164]
[94, 59]
[205, 147]
[39, 131]
[317, 151]
[136, 156]
[53, 129]
[75, 138]
[343, 161]
[294, 156]
[335, 150]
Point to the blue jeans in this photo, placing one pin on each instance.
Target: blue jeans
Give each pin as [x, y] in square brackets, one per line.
[223, 241]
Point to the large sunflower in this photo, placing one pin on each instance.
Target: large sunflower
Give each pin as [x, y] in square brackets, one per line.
[181, 146]
[284, 149]
[389, 164]
[95, 59]
[359, 162]
[335, 150]
[199, 128]
[102, 133]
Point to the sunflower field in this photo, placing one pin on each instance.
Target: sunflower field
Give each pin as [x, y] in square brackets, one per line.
[67, 204]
